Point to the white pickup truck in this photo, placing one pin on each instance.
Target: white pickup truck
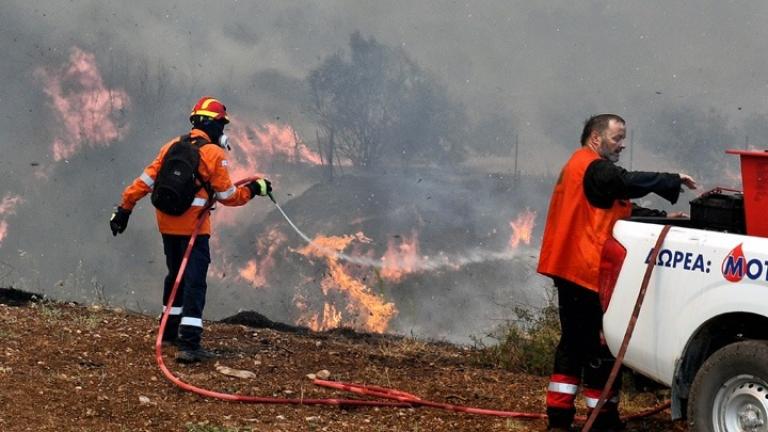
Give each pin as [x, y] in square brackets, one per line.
[703, 326]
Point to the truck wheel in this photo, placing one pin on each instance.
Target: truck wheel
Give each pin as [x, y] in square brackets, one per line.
[730, 391]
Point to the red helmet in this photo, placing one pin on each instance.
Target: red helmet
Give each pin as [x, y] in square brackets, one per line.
[211, 108]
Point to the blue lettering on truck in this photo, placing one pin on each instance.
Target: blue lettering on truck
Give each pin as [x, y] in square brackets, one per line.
[680, 259]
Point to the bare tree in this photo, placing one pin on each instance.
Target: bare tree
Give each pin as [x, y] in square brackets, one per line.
[380, 105]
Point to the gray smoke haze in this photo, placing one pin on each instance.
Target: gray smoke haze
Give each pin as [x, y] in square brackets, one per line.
[690, 79]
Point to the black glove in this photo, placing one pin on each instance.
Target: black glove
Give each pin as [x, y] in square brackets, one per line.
[260, 187]
[119, 220]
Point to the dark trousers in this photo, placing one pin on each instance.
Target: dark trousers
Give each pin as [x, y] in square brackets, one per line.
[186, 319]
[581, 358]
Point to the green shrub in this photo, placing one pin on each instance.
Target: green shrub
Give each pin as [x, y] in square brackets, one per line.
[526, 343]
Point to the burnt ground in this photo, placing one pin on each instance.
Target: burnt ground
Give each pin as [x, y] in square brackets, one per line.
[66, 367]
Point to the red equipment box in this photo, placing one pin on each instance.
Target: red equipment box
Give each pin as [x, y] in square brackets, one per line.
[754, 180]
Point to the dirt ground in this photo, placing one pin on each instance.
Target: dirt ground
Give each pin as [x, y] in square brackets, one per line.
[66, 367]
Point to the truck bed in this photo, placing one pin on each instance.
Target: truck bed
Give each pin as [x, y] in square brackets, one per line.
[700, 274]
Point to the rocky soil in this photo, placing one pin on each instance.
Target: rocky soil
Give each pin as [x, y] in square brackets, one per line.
[67, 367]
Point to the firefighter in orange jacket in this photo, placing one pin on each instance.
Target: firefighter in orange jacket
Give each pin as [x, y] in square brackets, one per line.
[185, 324]
[591, 194]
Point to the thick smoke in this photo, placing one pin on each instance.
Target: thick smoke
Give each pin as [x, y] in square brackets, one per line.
[92, 89]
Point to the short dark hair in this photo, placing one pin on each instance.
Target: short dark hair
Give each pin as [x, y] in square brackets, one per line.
[598, 123]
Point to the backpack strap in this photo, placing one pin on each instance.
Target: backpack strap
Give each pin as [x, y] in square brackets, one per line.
[200, 142]
[184, 138]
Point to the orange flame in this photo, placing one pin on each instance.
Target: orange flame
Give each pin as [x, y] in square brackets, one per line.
[331, 319]
[254, 274]
[285, 140]
[3, 230]
[364, 309]
[89, 112]
[522, 228]
[401, 259]
[256, 270]
[256, 147]
[7, 207]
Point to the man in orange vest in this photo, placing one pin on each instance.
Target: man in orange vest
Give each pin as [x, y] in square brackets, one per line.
[207, 142]
[591, 194]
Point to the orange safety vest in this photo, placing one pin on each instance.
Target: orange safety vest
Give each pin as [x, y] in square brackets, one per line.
[576, 230]
[212, 169]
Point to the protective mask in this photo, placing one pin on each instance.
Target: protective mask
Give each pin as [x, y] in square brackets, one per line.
[224, 142]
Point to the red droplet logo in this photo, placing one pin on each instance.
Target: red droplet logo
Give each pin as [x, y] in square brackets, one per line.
[734, 265]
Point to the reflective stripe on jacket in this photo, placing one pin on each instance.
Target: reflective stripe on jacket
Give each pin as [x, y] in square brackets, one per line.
[212, 169]
[575, 230]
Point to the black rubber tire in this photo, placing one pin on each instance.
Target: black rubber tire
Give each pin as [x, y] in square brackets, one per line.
[748, 358]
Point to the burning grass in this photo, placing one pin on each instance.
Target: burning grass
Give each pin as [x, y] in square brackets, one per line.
[88, 112]
[406, 255]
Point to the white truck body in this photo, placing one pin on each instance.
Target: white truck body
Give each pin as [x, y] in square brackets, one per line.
[700, 277]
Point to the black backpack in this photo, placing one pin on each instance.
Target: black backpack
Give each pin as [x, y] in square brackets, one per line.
[178, 181]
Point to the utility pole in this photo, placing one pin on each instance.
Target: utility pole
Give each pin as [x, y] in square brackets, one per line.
[517, 144]
[631, 148]
[746, 142]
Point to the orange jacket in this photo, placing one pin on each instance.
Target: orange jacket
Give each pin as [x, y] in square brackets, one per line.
[575, 230]
[212, 169]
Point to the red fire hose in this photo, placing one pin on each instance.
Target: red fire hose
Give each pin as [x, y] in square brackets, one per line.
[400, 399]
[228, 396]
[398, 395]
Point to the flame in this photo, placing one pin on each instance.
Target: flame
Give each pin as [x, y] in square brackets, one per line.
[89, 112]
[7, 208]
[363, 310]
[522, 228]
[285, 140]
[254, 274]
[331, 319]
[401, 259]
[321, 244]
[3, 230]
[9, 203]
[257, 270]
[256, 147]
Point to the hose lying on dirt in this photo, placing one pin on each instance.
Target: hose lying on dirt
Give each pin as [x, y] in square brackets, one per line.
[386, 393]
[228, 396]
[397, 398]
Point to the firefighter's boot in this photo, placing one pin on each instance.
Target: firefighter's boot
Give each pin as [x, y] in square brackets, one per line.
[194, 356]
